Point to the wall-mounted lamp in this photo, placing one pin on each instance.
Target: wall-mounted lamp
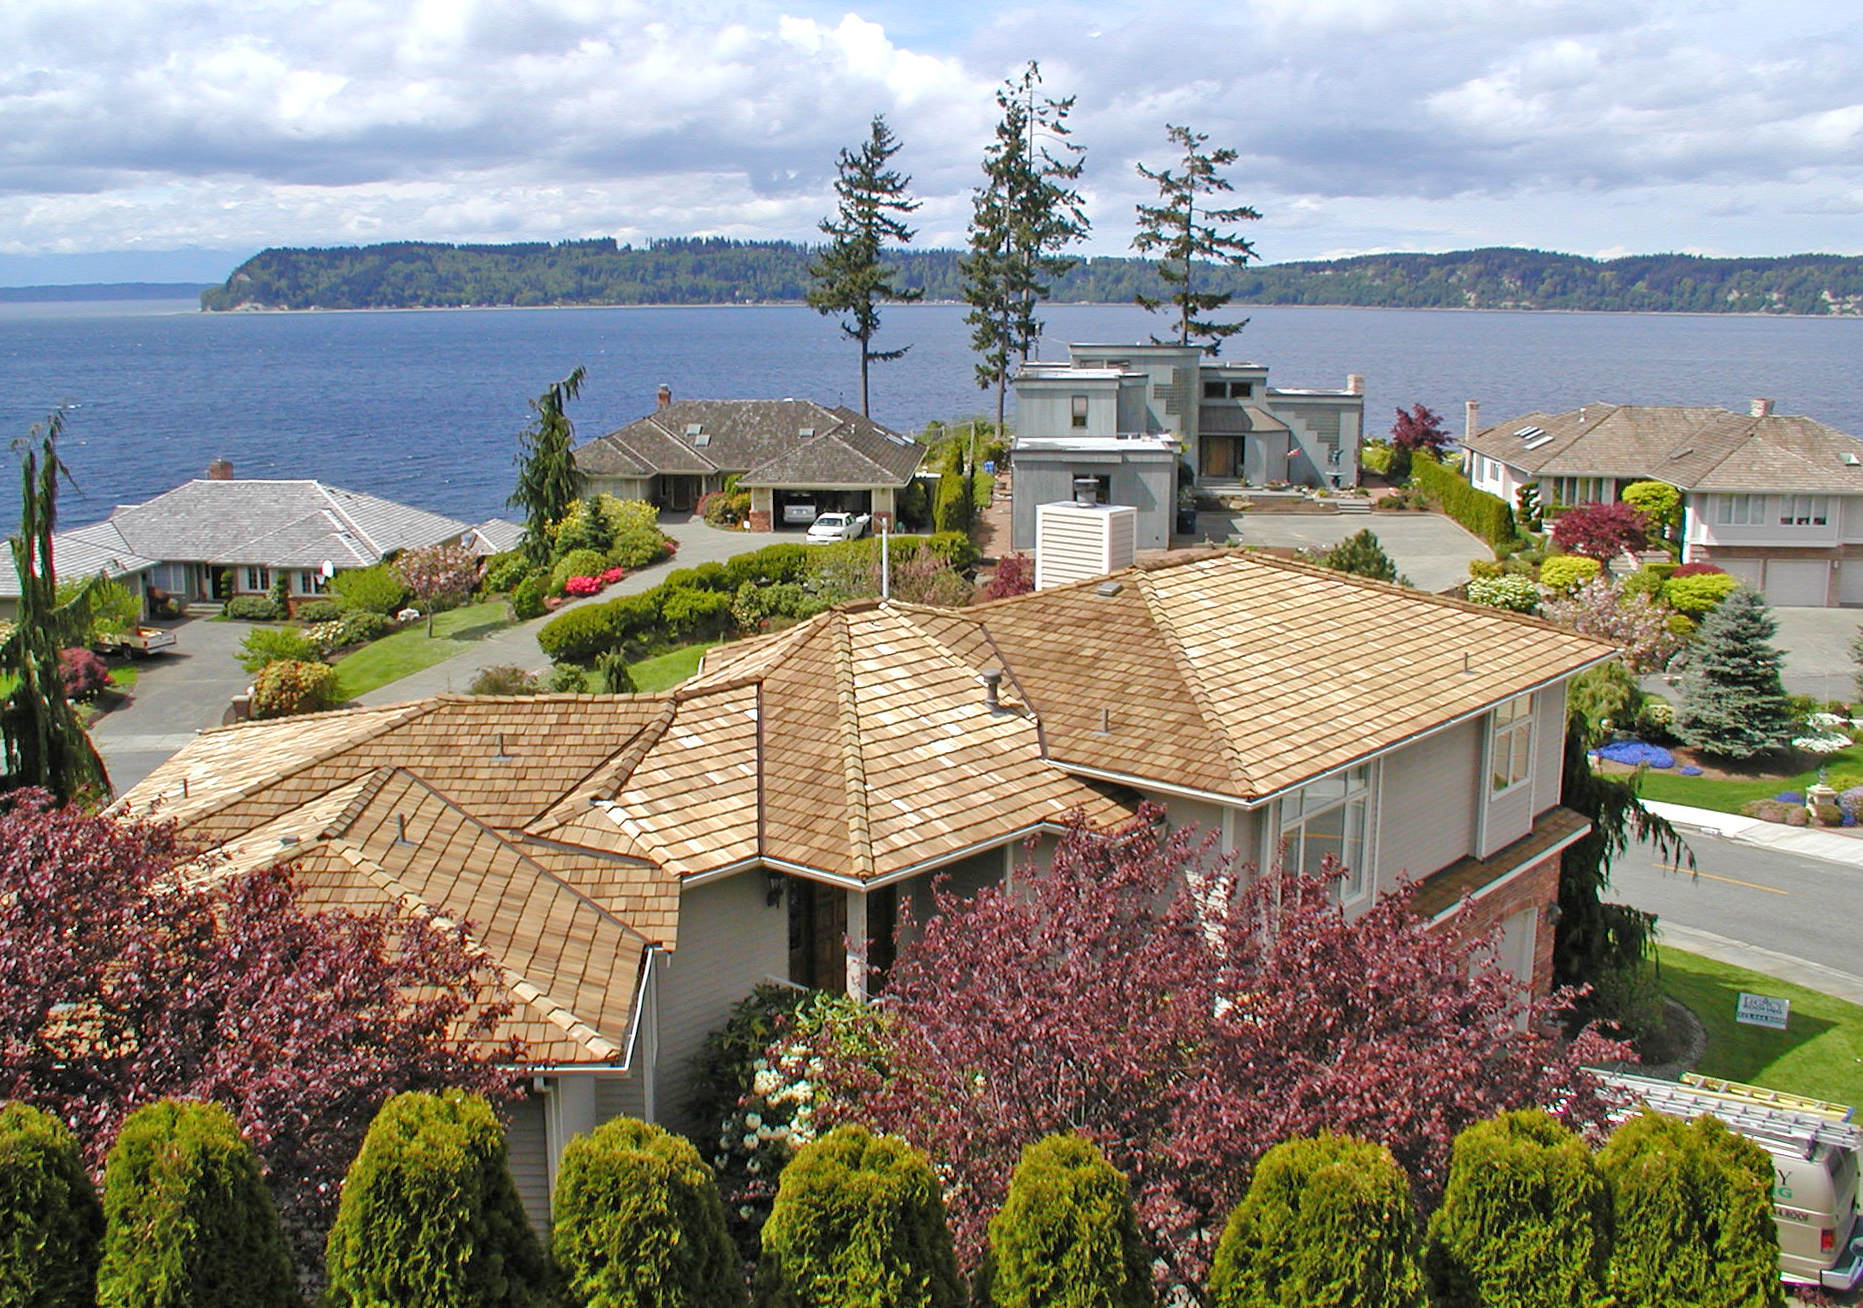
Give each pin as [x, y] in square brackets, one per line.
[773, 886]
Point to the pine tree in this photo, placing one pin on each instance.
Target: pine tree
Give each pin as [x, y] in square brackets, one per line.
[1733, 705]
[548, 482]
[1025, 213]
[849, 277]
[1182, 234]
[1361, 555]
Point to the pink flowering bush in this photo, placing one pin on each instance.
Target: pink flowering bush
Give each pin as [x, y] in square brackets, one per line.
[438, 574]
[582, 585]
[612, 575]
[1635, 623]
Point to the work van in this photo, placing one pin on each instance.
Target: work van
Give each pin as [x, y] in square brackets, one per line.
[1815, 1149]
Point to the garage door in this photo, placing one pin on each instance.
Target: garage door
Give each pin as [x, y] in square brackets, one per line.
[1850, 582]
[1797, 583]
[1748, 570]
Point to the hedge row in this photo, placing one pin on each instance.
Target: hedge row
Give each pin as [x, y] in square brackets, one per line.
[696, 603]
[1487, 516]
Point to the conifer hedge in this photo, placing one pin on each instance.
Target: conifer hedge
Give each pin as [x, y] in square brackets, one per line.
[639, 1224]
[1524, 1221]
[1325, 1221]
[188, 1222]
[1692, 1207]
[1067, 1234]
[430, 1217]
[1488, 516]
[51, 1224]
[858, 1221]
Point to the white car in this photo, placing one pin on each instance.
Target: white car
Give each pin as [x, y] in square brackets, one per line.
[831, 527]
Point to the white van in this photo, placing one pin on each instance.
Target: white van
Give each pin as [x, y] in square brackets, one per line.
[1815, 1149]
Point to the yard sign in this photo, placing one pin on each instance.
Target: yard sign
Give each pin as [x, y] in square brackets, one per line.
[1762, 1010]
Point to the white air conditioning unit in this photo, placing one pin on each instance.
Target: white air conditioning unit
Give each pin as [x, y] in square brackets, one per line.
[1076, 541]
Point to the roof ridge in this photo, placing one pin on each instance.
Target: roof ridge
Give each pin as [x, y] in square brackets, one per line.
[1187, 671]
[607, 775]
[345, 520]
[853, 763]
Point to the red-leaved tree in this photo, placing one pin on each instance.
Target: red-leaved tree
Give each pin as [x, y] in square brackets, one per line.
[1601, 531]
[1014, 575]
[1420, 429]
[120, 984]
[1186, 1016]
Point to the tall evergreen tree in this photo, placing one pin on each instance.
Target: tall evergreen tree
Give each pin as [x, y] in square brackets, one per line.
[45, 745]
[1733, 705]
[1024, 215]
[1182, 234]
[547, 481]
[849, 277]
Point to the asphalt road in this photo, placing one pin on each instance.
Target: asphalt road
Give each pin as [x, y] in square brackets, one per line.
[1786, 906]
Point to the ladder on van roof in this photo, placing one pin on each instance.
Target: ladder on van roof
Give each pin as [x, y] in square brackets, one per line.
[1779, 1126]
[1771, 1098]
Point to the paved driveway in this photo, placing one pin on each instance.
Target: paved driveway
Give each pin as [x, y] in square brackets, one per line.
[1816, 644]
[1429, 549]
[178, 693]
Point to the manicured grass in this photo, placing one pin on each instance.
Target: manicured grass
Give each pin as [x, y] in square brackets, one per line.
[1820, 1055]
[411, 649]
[123, 676]
[1727, 796]
[667, 670]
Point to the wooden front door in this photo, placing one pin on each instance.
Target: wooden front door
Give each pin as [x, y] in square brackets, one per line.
[1219, 457]
[817, 935]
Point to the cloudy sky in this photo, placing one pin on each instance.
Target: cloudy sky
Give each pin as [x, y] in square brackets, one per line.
[168, 139]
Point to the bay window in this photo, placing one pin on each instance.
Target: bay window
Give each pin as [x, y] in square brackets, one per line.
[1510, 744]
[1327, 818]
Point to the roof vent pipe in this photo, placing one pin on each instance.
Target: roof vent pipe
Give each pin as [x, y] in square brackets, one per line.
[1760, 408]
[992, 684]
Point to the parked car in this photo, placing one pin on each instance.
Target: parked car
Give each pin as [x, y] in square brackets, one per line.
[137, 642]
[831, 527]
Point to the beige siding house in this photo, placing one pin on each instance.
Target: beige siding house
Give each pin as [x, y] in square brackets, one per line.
[635, 864]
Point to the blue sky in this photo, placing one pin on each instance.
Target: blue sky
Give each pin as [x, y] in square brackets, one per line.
[159, 139]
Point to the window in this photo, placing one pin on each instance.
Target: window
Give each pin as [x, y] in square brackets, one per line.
[1804, 510]
[1510, 744]
[1740, 510]
[1226, 390]
[1080, 411]
[1327, 818]
[1571, 491]
[259, 579]
[311, 581]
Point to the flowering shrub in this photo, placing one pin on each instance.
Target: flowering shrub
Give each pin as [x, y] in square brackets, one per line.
[1636, 624]
[83, 674]
[1826, 734]
[1689, 771]
[324, 636]
[290, 687]
[1851, 801]
[611, 575]
[1512, 592]
[1635, 753]
[442, 575]
[581, 585]
[1789, 797]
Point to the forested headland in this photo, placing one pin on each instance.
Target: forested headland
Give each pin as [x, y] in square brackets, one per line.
[714, 270]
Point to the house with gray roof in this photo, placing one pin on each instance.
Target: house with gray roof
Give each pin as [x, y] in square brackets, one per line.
[1774, 499]
[797, 459]
[216, 537]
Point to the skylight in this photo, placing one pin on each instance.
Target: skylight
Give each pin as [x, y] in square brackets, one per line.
[1528, 433]
[1533, 443]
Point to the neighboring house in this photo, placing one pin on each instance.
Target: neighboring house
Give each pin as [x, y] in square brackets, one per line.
[493, 536]
[81, 553]
[795, 457]
[1773, 499]
[636, 864]
[215, 537]
[1123, 415]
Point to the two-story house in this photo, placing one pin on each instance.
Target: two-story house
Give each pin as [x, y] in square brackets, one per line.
[1775, 500]
[636, 864]
[1126, 415]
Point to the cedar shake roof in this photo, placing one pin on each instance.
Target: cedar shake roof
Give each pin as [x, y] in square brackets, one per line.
[1694, 448]
[761, 439]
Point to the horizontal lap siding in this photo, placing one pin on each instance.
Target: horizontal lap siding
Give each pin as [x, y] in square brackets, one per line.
[1426, 811]
[529, 1148]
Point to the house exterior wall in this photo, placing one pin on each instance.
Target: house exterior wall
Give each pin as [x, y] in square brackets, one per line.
[1327, 430]
[528, 1147]
[729, 941]
[1489, 474]
[1145, 480]
[1531, 892]
[1426, 811]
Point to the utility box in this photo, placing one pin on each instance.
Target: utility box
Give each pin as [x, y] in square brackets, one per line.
[1076, 541]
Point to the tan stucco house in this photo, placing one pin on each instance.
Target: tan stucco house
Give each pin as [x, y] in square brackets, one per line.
[636, 864]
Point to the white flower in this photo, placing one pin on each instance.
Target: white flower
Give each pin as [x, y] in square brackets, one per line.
[1821, 744]
[753, 1167]
[750, 1140]
[766, 1083]
[761, 1065]
[753, 1120]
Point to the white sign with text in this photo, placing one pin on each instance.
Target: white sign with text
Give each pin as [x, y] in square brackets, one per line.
[1763, 1010]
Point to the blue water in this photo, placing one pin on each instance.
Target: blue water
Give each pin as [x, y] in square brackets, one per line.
[426, 406]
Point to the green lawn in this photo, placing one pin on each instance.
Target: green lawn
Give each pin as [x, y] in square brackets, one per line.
[1727, 796]
[1820, 1055]
[123, 676]
[666, 670]
[411, 649]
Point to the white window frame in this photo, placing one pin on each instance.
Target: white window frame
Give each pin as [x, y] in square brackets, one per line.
[1804, 510]
[258, 580]
[1739, 510]
[1584, 490]
[1077, 412]
[1350, 797]
[1510, 746]
[311, 581]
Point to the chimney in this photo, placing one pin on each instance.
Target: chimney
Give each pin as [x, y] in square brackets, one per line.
[1760, 408]
[1471, 420]
[1355, 383]
[220, 470]
[666, 395]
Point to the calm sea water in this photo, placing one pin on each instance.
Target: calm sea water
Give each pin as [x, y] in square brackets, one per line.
[425, 407]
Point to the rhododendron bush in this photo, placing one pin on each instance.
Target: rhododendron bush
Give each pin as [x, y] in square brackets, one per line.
[1186, 1015]
[1635, 623]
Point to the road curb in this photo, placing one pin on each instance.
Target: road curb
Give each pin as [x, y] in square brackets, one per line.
[1767, 962]
[1807, 842]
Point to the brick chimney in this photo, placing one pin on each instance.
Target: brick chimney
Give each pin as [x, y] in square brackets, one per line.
[665, 396]
[220, 470]
[1355, 383]
[1760, 408]
[1471, 419]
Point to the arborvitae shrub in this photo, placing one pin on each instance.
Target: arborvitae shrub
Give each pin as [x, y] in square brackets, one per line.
[1067, 1234]
[188, 1222]
[858, 1221]
[1692, 1209]
[430, 1215]
[1524, 1221]
[639, 1223]
[1325, 1221]
[51, 1224]
[1567, 572]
